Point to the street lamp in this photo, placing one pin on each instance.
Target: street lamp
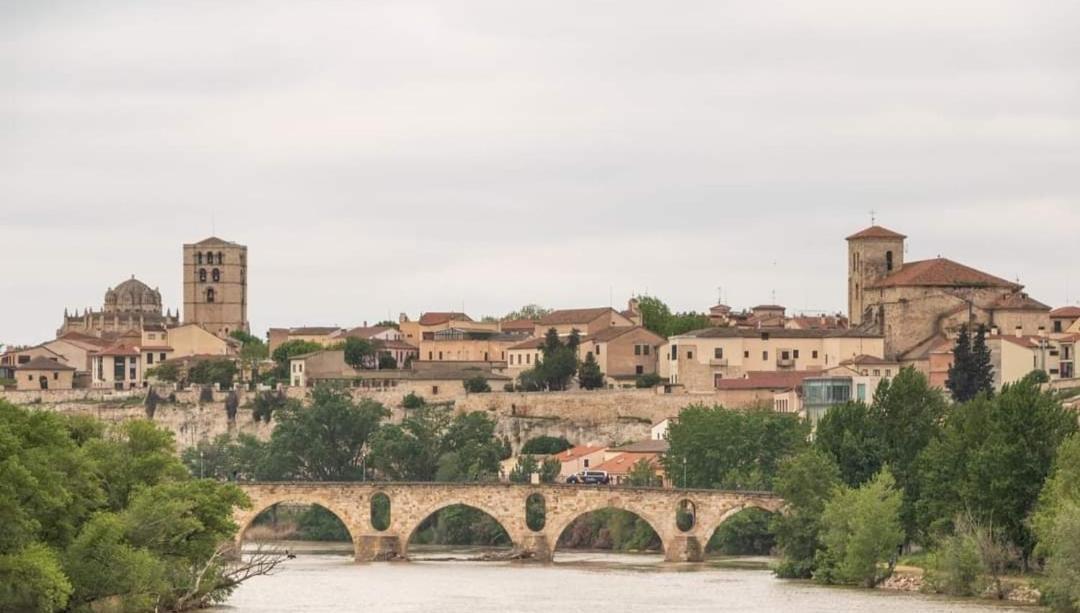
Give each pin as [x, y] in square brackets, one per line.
[684, 472]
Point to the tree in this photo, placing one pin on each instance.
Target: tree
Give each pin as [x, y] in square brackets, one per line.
[219, 371]
[648, 381]
[531, 380]
[266, 403]
[412, 400]
[529, 311]
[971, 372]
[359, 353]
[523, 471]
[252, 352]
[476, 385]
[991, 461]
[860, 530]
[805, 482]
[718, 448]
[545, 445]
[430, 445]
[232, 404]
[657, 317]
[287, 350]
[590, 376]
[169, 372]
[1056, 523]
[643, 474]
[325, 441]
[852, 436]
[387, 323]
[574, 340]
[387, 362]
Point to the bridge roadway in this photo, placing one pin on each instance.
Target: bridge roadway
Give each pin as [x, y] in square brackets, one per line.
[412, 503]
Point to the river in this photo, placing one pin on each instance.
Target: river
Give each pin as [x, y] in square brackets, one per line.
[577, 582]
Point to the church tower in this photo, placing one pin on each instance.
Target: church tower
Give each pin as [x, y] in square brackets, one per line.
[873, 254]
[215, 286]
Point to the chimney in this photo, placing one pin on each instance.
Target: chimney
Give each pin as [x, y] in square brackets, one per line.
[994, 331]
[365, 323]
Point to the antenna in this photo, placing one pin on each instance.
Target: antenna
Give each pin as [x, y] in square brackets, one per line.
[873, 217]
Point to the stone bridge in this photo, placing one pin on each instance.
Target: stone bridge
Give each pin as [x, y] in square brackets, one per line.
[412, 503]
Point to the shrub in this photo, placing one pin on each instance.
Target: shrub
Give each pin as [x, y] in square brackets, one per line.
[545, 445]
[476, 385]
[413, 401]
[650, 380]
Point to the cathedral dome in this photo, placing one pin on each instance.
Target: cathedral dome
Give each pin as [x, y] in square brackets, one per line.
[133, 295]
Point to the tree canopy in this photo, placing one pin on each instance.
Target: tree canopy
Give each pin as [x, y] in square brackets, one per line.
[657, 316]
[971, 372]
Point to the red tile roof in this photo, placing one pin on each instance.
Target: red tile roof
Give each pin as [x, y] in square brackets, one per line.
[1066, 311]
[517, 324]
[1019, 301]
[867, 360]
[576, 452]
[43, 363]
[119, 349]
[573, 316]
[767, 380]
[876, 232]
[622, 463]
[435, 318]
[942, 272]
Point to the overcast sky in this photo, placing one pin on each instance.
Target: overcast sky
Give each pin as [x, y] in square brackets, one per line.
[386, 157]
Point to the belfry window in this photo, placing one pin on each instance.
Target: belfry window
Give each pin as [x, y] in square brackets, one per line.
[198, 258]
[218, 257]
[209, 294]
[888, 261]
[216, 275]
[202, 275]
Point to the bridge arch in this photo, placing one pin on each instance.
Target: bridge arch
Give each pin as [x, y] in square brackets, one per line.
[413, 521]
[259, 505]
[710, 528]
[564, 520]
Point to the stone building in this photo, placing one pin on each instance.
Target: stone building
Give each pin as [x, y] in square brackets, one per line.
[914, 303]
[215, 285]
[130, 306]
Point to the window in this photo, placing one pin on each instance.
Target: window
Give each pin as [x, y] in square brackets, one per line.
[785, 355]
[637, 349]
[888, 372]
[689, 355]
[639, 369]
[440, 355]
[813, 354]
[218, 257]
[434, 390]
[795, 354]
[1057, 326]
[716, 378]
[161, 357]
[877, 372]
[209, 294]
[202, 275]
[430, 356]
[586, 461]
[674, 352]
[888, 261]
[149, 358]
[764, 336]
[55, 376]
[198, 258]
[746, 354]
[598, 350]
[528, 358]
[718, 353]
[645, 348]
[216, 275]
[765, 356]
[209, 258]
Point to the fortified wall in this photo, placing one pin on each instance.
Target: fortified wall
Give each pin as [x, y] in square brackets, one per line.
[607, 417]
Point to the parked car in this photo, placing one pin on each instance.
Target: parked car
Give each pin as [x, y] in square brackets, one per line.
[590, 477]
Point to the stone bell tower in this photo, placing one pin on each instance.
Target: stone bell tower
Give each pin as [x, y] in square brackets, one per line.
[215, 286]
[873, 254]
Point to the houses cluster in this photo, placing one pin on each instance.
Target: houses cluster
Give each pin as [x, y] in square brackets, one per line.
[900, 314]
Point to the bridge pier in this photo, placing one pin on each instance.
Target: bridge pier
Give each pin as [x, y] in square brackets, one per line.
[534, 547]
[683, 548]
[377, 548]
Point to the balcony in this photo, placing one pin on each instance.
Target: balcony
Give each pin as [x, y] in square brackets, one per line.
[785, 362]
[721, 362]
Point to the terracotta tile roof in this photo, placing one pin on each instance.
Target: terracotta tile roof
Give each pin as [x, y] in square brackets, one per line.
[213, 240]
[942, 272]
[1066, 311]
[612, 333]
[532, 343]
[576, 452]
[155, 348]
[768, 380]
[867, 360]
[646, 446]
[769, 307]
[119, 349]
[526, 325]
[435, 318]
[395, 345]
[43, 363]
[314, 330]
[729, 332]
[365, 331]
[622, 463]
[573, 316]
[876, 232]
[83, 338]
[1026, 341]
[1019, 301]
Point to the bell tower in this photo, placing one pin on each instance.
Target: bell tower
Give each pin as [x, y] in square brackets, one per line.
[215, 286]
[873, 254]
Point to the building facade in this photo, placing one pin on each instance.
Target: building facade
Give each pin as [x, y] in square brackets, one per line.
[215, 285]
[131, 305]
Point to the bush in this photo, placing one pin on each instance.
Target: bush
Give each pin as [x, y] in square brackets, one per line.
[649, 380]
[232, 403]
[265, 403]
[221, 371]
[545, 445]
[151, 403]
[413, 401]
[206, 394]
[476, 385]
[954, 567]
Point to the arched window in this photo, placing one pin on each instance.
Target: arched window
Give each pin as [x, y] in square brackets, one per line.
[219, 257]
[198, 257]
[216, 275]
[209, 258]
[209, 294]
[202, 275]
[888, 261]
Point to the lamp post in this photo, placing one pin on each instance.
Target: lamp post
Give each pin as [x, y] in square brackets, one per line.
[684, 472]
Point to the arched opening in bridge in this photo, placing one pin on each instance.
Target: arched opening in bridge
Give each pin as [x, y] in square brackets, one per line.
[607, 530]
[746, 532]
[458, 532]
[380, 511]
[299, 528]
[685, 515]
[535, 512]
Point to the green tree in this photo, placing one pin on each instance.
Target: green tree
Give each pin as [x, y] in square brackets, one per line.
[718, 448]
[244, 459]
[991, 461]
[412, 400]
[852, 436]
[410, 451]
[529, 311]
[266, 403]
[747, 533]
[387, 362]
[252, 352]
[169, 372]
[32, 580]
[648, 381]
[805, 482]
[1056, 523]
[971, 372]
[325, 441]
[288, 350]
[388, 323]
[523, 471]
[545, 445]
[590, 376]
[657, 317]
[861, 531]
[476, 385]
[359, 353]
[643, 474]
[220, 371]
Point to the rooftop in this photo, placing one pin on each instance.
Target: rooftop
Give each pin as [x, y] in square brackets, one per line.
[729, 332]
[573, 316]
[876, 232]
[768, 380]
[1066, 311]
[646, 446]
[43, 363]
[435, 318]
[942, 272]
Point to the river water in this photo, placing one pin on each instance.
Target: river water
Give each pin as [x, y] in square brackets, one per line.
[577, 582]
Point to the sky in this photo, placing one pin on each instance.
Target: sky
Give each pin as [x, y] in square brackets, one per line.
[382, 157]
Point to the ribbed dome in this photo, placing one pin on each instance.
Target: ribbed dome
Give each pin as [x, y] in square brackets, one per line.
[133, 295]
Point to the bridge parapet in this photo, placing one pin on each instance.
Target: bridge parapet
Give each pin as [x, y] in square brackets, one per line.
[412, 503]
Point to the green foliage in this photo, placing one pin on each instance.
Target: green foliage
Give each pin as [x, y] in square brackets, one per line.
[32, 580]
[387, 362]
[324, 442]
[287, 350]
[643, 474]
[460, 525]
[225, 459]
[648, 381]
[852, 436]
[252, 351]
[1056, 523]
[476, 385]
[220, 371]
[731, 449]
[529, 311]
[380, 511]
[747, 533]
[531, 380]
[860, 530]
[545, 445]
[589, 375]
[266, 403]
[359, 353]
[971, 373]
[558, 365]
[413, 401]
[805, 482]
[954, 567]
[524, 469]
[657, 316]
[318, 524]
[169, 372]
[430, 445]
[991, 460]
[613, 529]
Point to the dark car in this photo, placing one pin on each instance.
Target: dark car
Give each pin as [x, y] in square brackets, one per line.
[590, 477]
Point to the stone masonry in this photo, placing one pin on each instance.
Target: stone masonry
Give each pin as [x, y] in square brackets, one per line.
[412, 503]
